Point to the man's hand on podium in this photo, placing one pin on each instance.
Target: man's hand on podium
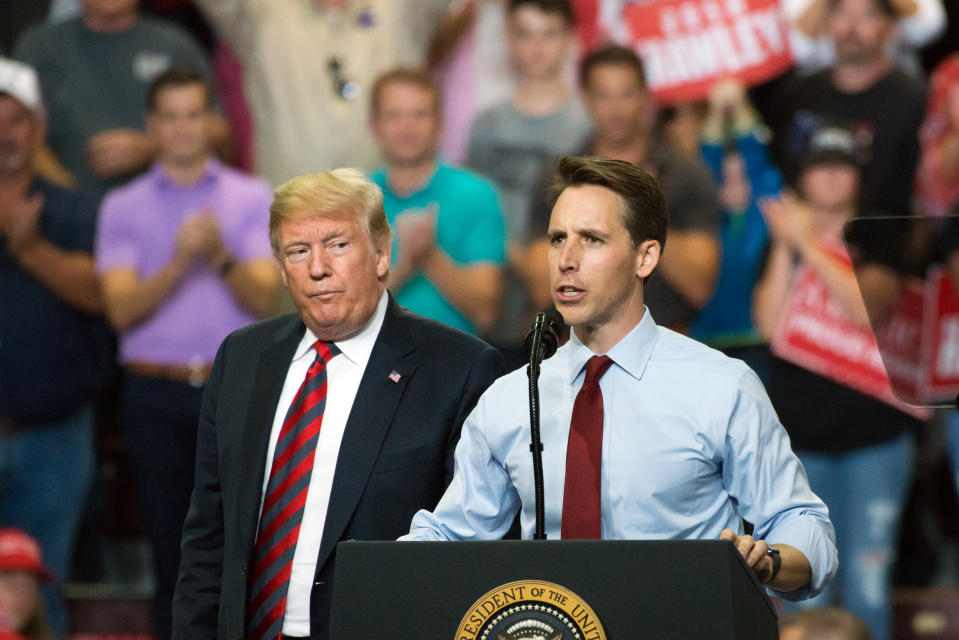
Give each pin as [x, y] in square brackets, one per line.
[794, 571]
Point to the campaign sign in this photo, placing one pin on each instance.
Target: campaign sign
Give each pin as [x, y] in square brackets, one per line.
[941, 339]
[920, 340]
[687, 45]
[901, 338]
[816, 333]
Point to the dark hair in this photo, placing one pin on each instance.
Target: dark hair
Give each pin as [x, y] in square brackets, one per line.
[176, 76]
[562, 8]
[884, 6]
[405, 75]
[614, 55]
[644, 207]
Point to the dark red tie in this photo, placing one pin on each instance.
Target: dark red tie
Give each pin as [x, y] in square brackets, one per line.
[285, 499]
[584, 458]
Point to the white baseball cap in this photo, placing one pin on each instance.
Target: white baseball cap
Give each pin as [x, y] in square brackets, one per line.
[20, 81]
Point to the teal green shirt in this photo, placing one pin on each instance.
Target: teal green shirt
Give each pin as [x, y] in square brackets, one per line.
[469, 229]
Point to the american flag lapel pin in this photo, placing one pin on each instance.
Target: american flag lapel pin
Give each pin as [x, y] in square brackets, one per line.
[395, 375]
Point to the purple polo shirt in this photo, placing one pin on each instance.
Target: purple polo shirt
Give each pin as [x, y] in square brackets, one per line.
[137, 229]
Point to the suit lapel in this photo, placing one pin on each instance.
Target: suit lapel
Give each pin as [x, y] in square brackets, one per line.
[377, 400]
[271, 370]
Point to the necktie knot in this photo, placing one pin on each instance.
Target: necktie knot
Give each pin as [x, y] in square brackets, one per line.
[325, 351]
[596, 367]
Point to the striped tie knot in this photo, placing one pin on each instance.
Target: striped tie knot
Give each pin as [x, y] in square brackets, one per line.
[325, 351]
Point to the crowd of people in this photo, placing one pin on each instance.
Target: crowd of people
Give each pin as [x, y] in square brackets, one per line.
[141, 143]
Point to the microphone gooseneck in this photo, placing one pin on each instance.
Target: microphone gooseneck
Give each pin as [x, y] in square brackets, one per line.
[541, 343]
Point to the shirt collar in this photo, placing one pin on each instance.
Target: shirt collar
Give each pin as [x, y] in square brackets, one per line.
[211, 171]
[356, 349]
[630, 354]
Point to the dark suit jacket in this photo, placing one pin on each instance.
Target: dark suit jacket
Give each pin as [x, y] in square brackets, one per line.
[395, 457]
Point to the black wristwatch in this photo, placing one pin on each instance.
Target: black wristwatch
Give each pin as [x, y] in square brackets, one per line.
[773, 554]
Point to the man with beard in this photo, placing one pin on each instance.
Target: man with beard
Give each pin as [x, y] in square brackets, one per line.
[865, 92]
[95, 70]
[54, 348]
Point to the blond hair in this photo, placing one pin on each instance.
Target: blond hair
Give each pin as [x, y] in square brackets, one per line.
[339, 193]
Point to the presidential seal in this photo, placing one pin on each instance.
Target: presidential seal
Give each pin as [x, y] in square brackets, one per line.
[530, 610]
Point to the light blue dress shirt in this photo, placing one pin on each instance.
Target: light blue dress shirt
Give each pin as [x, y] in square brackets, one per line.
[691, 444]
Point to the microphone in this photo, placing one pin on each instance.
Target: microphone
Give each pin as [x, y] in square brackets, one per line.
[540, 344]
[547, 325]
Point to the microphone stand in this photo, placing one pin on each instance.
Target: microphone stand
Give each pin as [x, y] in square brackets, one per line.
[536, 445]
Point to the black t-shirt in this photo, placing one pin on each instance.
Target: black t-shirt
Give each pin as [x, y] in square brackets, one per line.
[885, 118]
[825, 416]
[950, 236]
[53, 357]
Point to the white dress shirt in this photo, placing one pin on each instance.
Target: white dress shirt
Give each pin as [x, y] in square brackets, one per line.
[344, 373]
[691, 445]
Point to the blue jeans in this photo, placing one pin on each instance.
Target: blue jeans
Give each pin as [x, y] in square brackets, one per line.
[865, 490]
[45, 476]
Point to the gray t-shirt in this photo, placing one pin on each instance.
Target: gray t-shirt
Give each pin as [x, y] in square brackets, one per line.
[511, 148]
[92, 82]
[693, 205]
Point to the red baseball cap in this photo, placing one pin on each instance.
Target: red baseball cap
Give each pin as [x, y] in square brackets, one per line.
[20, 551]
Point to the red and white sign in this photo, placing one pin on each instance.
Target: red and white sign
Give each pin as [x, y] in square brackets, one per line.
[941, 352]
[817, 334]
[900, 341]
[687, 45]
[920, 342]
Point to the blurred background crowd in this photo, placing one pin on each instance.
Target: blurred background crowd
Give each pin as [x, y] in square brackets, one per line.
[140, 142]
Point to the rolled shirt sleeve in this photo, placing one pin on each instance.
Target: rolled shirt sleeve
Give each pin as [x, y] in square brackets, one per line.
[685, 458]
[762, 472]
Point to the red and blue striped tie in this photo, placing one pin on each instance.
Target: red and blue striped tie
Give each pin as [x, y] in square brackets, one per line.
[285, 499]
